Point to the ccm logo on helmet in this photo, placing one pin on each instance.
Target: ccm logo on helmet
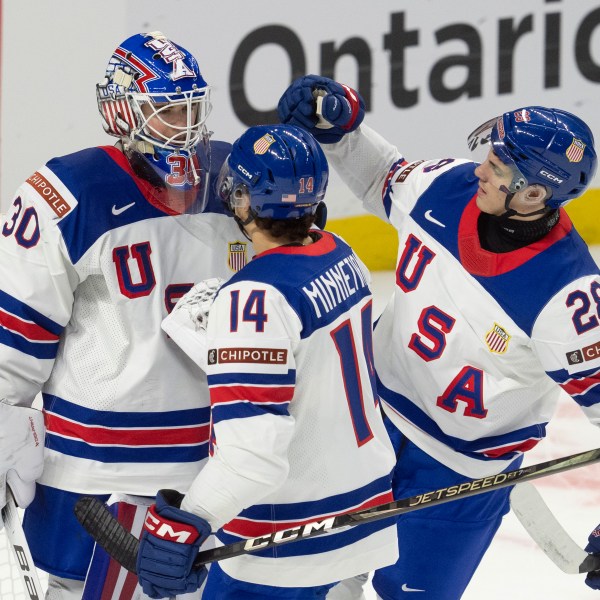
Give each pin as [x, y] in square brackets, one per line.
[244, 172]
[551, 176]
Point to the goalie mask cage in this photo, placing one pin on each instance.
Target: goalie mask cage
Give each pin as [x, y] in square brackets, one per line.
[11, 584]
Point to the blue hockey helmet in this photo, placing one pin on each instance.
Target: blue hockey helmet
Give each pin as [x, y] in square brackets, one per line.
[545, 146]
[155, 99]
[281, 167]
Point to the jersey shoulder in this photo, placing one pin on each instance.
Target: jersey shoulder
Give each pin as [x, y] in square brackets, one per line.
[441, 185]
[289, 266]
[94, 175]
[100, 192]
[550, 268]
[320, 282]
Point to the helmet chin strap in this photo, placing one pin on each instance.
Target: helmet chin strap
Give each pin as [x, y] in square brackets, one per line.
[243, 222]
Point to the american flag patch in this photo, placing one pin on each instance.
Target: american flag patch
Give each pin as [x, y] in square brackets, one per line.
[262, 145]
[497, 339]
[237, 257]
[288, 197]
[575, 150]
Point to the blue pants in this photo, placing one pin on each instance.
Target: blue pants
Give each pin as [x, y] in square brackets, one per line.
[440, 546]
[58, 543]
[220, 586]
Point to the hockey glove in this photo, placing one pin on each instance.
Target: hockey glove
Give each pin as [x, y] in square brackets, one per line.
[186, 325]
[311, 97]
[197, 302]
[593, 547]
[168, 546]
[22, 436]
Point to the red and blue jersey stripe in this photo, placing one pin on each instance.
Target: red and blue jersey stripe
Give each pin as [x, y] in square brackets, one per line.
[262, 519]
[583, 387]
[240, 395]
[505, 446]
[142, 437]
[27, 330]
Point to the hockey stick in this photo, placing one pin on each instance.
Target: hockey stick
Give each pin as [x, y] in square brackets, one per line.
[18, 542]
[545, 530]
[123, 546]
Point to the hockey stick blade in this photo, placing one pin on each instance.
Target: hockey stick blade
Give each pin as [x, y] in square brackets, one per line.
[123, 546]
[545, 530]
[18, 542]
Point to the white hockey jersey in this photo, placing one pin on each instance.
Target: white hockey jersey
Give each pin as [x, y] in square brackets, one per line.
[473, 347]
[90, 264]
[297, 430]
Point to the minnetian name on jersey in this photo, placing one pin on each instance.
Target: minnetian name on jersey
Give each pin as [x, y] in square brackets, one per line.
[335, 285]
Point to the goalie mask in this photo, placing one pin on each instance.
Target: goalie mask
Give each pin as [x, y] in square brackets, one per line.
[543, 146]
[281, 169]
[154, 98]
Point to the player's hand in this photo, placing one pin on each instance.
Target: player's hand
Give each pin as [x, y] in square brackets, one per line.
[327, 109]
[168, 546]
[22, 434]
[593, 547]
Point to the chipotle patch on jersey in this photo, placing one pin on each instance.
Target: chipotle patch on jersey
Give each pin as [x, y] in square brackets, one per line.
[48, 192]
[590, 352]
[406, 172]
[263, 356]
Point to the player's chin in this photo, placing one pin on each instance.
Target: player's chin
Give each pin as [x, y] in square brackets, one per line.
[486, 205]
[480, 201]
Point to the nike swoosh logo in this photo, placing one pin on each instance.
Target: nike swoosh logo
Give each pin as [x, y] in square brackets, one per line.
[117, 211]
[405, 588]
[433, 219]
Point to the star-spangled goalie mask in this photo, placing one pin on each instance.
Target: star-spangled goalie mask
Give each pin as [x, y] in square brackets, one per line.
[154, 98]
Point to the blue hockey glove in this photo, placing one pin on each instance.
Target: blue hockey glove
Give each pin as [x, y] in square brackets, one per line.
[168, 546]
[593, 547]
[342, 109]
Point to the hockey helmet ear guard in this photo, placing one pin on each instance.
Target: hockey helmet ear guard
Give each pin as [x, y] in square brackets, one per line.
[281, 169]
[232, 193]
[321, 215]
[545, 146]
[225, 186]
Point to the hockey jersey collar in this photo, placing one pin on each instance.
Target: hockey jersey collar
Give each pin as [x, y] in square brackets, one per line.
[145, 187]
[325, 243]
[480, 262]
